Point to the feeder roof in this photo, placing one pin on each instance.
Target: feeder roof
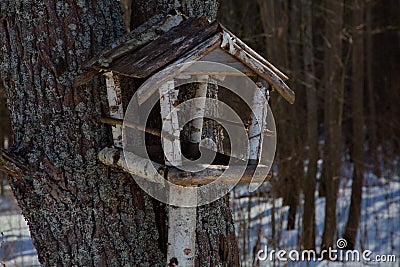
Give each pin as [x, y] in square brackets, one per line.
[173, 39]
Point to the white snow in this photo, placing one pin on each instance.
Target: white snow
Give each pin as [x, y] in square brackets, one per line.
[16, 248]
[379, 229]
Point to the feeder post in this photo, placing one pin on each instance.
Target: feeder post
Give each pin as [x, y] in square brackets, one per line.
[181, 220]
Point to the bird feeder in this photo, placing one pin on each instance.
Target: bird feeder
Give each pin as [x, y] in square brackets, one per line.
[152, 47]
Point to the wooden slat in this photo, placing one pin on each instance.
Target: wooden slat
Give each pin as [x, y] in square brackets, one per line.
[255, 54]
[85, 77]
[145, 33]
[194, 54]
[116, 158]
[155, 132]
[262, 70]
[165, 49]
[213, 174]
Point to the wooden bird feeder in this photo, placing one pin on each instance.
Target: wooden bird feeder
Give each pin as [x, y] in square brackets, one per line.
[155, 45]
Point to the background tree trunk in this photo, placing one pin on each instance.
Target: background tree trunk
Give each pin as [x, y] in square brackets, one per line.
[373, 137]
[80, 212]
[312, 127]
[357, 100]
[334, 88]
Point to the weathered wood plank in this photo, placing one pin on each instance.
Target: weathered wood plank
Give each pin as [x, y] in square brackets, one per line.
[139, 166]
[213, 174]
[140, 36]
[262, 70]
[149, 31]
[254, 54]
[116, 158]
[155, 132]
[194, 54]
[165, 49]
[85, 77]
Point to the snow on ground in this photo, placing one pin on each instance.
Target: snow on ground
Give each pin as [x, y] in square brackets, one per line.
[379, 229]
[16, 248]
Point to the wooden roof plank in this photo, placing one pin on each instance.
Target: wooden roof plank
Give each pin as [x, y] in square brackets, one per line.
[254, 54]
[271, 77]
[194, 54]
[144, 34]
[165, 49]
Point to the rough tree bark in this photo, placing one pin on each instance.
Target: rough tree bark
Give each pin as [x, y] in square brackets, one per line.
[81, 213]
[357, 106]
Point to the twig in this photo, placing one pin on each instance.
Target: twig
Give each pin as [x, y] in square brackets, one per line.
[11, 165]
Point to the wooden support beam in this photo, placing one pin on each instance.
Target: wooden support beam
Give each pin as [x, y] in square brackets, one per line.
[85, 77]
[155, 132]
[254, 54]
[116, 158]
[114, 95]
[263, 71]
[258, 123]
[212, 173]
[149, 31]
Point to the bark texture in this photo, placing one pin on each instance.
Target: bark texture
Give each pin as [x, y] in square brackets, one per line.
[80, 212]
[312, 127]
[357, 106]
[333, 98]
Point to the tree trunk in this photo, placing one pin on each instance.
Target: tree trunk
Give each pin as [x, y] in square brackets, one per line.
[373, 138]
[334, 88]
[312, 128]
[80, 212]
[357, 100]
[295, 114]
